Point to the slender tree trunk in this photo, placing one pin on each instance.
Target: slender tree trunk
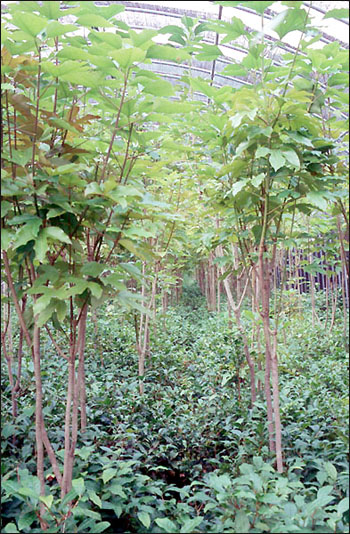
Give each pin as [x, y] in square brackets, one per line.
[345, 315]
[312, 293]
[276, 404]
[327, 301]
[81, 367]
[237, 312]
[67, 474]
[39, 420]
[334, 296]
[265, 314]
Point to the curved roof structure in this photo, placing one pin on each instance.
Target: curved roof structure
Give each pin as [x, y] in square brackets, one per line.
[158, 14]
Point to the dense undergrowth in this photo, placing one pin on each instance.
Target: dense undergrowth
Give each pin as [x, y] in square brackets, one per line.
[190, 455]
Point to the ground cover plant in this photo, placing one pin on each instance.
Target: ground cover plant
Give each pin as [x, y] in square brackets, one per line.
[175, 286]
[188, 456]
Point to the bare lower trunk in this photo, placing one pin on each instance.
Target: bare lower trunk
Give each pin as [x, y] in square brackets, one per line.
[312, 294]
[334, 296]
[276, 405]
[271, 362]
[345, 315]
[39, 420]
[237, 312]
[81, 368]
[67, 475]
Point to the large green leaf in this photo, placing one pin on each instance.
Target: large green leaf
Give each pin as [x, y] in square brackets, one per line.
[190, 525]
[93, 268]
[238, 186]
[55, 29]
[166, 52]
[56, 233]
[78, 485]
[288, 21]
[29, 23]
[292, 157]
[28, 232]
[108, 473]
[112, 39]
[145, 518]
[340, 14]
[277, 159]
[242, 523]
[166, 524]
[41, 246]
[316, 198]
[126, 57]
[94, 20]
[72, 52]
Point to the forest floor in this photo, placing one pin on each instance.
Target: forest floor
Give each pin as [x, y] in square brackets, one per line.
[190, 455]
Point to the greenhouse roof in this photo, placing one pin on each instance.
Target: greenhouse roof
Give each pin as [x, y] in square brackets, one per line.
[158, 14]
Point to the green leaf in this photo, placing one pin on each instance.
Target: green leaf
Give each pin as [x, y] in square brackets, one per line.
[166, 524]
[258, 6]
[156, 87]
[6, 238]
[22, 157]
[5, 208]
[95, 289]
[238, 186]
[26, 520]
[127, 56]
[168, 53]
[117, 489]
[262, 151]
[78, 485]
[8, 430]
[317, 199]
[41, 246]
[51, 10]
[339, 14]
[296, 136]
[277, 159]
[47, 499]
[288, 21]
[292, 157]
[166, 106]
[29, 23]
[56, 233]
[93, 188]
[94, 20]
[73, 52]
[112, 39]
[145, 519]
[241, 523]
[343, 506]
[209, 53]
[28, 492]
[95, 498]
[72, 494]
[331, 470]
[28, 232]
[55, 29]
[234, 70]
[100, 527]
[87, 78]
[108, 474]
[257, 180]
[190, 525]
[10, 527]
[93, 268]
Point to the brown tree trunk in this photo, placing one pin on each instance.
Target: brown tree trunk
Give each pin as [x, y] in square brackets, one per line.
[237, 312]
[271, 361]
[39, 420]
